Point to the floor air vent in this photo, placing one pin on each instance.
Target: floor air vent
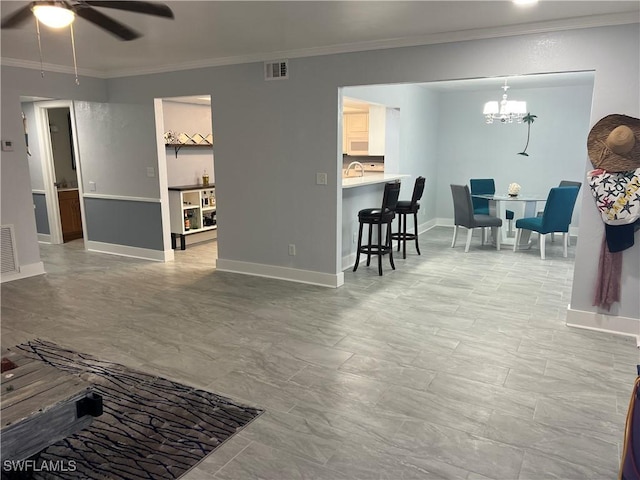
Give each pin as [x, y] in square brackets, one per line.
[8, 255]
[276, 70]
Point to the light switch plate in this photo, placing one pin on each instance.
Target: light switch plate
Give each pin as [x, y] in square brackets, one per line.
[151, 172]
[321, 178]
[92, 186]
[7, 146]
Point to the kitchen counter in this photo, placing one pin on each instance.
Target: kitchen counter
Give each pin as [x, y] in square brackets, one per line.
[371, 179]
[182, 188]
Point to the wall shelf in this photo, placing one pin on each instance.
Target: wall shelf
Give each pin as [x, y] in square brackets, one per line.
[178, 146]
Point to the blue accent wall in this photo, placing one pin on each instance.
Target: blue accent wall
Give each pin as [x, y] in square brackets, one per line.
[124, 222]
[42, 219]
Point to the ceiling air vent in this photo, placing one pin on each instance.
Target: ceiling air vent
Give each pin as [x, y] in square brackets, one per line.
[276, 70]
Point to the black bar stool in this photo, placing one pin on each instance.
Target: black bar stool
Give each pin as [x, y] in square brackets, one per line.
[379, 216]
[403, 208]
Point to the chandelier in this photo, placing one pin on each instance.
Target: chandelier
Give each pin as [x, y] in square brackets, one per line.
[506, 111]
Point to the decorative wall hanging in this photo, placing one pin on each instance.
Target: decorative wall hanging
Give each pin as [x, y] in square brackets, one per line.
[528, 119]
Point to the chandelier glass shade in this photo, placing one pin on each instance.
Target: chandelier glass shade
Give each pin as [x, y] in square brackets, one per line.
[53, 16]
[505, 111]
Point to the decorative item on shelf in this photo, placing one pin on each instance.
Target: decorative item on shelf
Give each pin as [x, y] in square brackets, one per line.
[528, 119]
[514, 189]
[187, 221]
[170, 138]
[184, 139]
[506, 111]
[205, 179]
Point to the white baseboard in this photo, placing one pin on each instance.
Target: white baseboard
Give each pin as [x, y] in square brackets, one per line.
[604, 323]
[200, 237]
[30, 270]
[127, 251]
[44, 238]
[281, 273]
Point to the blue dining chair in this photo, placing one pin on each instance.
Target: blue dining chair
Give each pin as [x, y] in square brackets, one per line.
[565, 183]
[485, 186]
[555, 218]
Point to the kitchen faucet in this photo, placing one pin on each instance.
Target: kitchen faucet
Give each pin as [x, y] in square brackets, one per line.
[354, 165]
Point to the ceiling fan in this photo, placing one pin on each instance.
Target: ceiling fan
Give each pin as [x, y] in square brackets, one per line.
[66, 11]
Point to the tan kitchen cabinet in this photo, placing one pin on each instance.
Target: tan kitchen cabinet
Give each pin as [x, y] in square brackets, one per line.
[355, 138]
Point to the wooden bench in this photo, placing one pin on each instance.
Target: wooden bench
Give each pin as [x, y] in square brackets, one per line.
[41, 405]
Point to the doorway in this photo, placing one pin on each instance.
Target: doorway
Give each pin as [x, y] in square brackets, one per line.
[60, 172]
[186, 172]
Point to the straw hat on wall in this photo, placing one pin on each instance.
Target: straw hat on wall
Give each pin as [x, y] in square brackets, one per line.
[614, 143]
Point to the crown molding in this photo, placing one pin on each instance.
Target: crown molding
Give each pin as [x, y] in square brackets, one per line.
[50, 67]
[447, 37]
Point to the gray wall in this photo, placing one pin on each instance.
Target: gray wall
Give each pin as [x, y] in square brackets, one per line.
[117, 144]
[40, 207]
[120, 222]
[272, 137]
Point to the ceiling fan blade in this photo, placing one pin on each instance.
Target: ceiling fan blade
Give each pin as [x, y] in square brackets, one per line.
[18, 17]
[107, 23]
[149, 8]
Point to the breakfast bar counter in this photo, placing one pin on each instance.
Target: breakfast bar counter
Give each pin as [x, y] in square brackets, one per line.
[368, 195]
[371, 179]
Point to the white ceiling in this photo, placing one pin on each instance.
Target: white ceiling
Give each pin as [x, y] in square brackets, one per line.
[208, 33]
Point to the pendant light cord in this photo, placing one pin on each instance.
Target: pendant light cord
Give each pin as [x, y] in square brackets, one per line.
[73, 48]
[39, 47]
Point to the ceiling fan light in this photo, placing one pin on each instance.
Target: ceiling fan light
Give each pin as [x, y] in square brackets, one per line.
[53, 16]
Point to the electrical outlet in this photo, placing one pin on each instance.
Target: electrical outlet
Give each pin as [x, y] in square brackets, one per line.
[292, 249]
[355, 237]
[151, 172]
[321, 178]
[92, 186]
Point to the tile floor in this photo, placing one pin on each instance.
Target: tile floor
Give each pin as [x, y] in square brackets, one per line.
[454, 366]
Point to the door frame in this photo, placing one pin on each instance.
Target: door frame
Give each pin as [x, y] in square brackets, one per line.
[48, 167]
